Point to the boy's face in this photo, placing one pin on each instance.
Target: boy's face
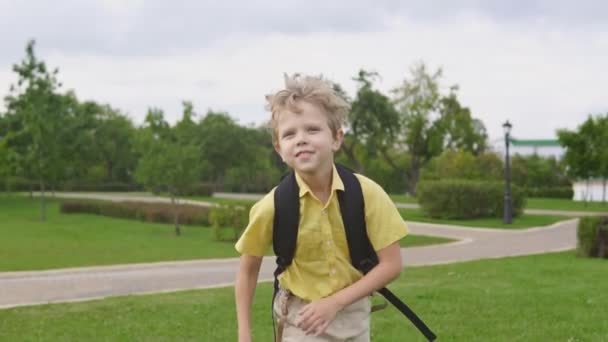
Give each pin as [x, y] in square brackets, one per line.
[305, 140]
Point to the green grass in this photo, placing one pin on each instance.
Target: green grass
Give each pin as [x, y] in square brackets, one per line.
[76, 240]
[565, 204]
[403, 198]
[553, 297]
[422, 240]
[525, 221]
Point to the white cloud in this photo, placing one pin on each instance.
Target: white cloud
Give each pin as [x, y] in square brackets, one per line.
[539, 74]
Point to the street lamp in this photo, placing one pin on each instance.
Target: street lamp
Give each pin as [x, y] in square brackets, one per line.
[508, 210]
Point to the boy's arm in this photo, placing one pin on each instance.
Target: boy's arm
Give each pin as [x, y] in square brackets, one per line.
[246, 281]
[388, 268]
[316, 316]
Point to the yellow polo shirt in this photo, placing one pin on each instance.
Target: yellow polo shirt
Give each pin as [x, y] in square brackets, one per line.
[321, 265]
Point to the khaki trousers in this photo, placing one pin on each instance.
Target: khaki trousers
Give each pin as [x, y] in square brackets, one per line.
[350, 324]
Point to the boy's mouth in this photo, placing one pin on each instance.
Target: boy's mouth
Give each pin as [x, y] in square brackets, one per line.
[303, 153]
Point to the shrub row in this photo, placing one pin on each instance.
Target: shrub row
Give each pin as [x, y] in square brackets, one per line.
[465, 199]
[592, 237]
[552, 192]
[229, 221]
[143, 211]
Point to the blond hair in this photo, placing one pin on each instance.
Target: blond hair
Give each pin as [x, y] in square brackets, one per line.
[312, 89]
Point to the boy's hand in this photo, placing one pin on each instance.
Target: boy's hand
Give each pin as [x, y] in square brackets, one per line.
[316, 316]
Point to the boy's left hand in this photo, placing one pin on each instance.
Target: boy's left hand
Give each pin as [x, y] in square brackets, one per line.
[316, 316]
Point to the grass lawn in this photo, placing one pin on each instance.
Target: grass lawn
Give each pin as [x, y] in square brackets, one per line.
[75, 240]
[565, 204]
[552, 297]
[525, 221]
[403, 199]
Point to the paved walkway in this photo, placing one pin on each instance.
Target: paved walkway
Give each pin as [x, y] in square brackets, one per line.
[77, 284]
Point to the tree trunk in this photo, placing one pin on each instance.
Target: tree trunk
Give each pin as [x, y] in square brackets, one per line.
[412, 177]
[175, 215]
[42, 201]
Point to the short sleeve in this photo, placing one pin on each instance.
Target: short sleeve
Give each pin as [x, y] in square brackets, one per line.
[257, 237]
[384, 223]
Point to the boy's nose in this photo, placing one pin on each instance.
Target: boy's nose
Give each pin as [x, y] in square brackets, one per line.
[301, 139]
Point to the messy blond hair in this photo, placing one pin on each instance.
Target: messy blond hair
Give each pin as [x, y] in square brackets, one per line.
[312, 89]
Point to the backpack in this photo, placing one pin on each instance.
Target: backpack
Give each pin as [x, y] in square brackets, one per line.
[352, 208]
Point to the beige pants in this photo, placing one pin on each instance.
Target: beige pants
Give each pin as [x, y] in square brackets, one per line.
[350, 325]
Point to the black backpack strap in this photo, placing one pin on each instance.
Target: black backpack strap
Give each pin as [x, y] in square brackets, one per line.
[352, 208]
[362, 254]
[399, 304]
[285, 224]
[284, 228]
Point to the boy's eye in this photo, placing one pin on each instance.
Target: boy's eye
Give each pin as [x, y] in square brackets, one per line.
[313, 129]
[287, 134]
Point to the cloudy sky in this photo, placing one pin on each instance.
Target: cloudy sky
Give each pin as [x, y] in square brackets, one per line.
[542, 64]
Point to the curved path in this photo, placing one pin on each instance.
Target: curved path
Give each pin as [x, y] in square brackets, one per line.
[77, 284]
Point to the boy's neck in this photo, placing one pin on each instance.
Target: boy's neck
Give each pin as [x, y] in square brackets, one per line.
[320, 182]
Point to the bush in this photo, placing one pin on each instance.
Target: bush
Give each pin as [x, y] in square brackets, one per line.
[592, 237]
[466, 199]
[552, 192]
[149, 212]
[229, 221]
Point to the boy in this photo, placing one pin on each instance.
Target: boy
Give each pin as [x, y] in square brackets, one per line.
[322, 297]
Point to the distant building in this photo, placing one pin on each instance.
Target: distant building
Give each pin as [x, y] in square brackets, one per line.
[592, 191]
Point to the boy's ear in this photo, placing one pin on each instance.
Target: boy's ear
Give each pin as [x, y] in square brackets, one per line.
[277, 149]
[338, 139]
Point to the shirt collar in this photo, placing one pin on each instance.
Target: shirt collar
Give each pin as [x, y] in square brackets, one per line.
[336, 183]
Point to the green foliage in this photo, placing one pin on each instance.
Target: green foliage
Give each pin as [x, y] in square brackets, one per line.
[143, 211]
[465, 199]
[587, 148]
[538, 172]
[229, 221]
[37, 115]
[165, 161]
[432, 122]
[588, 232]
[458, 164]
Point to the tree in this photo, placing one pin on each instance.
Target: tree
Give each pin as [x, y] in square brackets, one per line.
[430, 122]
[585, 149]
[35, 104]
[460, 164]
[219, 138]
[114, 140]
[373, 122]
[167, 163]
[459, 129]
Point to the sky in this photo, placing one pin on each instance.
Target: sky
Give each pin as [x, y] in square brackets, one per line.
[541, 64]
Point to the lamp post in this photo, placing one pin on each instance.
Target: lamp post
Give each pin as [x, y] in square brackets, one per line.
[508, 210]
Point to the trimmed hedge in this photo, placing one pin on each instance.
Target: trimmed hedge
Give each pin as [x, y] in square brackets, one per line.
[553, 192]
[466, 199]
[149, 212]
[592, 236]
[229, 221]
